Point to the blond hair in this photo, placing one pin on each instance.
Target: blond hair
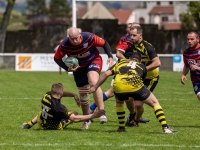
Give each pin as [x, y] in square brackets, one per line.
[56, 88]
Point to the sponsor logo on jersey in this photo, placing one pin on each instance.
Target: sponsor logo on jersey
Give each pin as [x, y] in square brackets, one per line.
[83, 55]
[85, 45]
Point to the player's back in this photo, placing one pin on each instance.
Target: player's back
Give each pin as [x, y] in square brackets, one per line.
[129, 76]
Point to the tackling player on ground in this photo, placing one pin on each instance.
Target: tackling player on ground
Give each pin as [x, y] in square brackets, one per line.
[55, 115]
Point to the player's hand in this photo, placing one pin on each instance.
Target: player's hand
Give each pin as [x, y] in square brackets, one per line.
[98, 113]
[71, 69]
[110, 62]
[183, 77]
[92, 89]
[194, 67]
[77, 99]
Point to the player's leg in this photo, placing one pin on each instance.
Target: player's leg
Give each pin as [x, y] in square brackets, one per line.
[93, 77]
[84, 98]
[106, 95]
[140, 108]
[120, 115]
[120, 98]
[30, 123]
[153, 102]
[196, 86]
[130, 106]
[81, 79]
[110, 92]
[150, 84]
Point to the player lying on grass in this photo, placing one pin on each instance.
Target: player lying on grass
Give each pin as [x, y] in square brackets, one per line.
[55, 115]
[129, 82]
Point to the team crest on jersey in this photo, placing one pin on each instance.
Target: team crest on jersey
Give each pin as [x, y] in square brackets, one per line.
[85, 45]
[198, 51]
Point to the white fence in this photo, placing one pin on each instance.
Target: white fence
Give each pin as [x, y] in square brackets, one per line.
[45, 62]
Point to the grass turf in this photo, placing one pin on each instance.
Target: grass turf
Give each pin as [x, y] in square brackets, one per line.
[20, 97]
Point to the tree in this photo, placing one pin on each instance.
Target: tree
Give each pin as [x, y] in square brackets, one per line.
[191, 20]
[59, 9]
[36, 9]
[4, 23]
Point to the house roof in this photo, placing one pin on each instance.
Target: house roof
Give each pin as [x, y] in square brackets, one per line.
[98, 11]
[162, 10]
[80, 11]
[171, 26]
[122, 15]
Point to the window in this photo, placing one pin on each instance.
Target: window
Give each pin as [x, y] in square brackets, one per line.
[164, 19]
[141, 20]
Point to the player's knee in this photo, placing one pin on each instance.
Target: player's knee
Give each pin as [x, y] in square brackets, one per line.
[84, 95]
[138, 104]
[84, 99]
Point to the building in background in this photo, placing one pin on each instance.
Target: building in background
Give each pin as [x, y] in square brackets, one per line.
[166, 14]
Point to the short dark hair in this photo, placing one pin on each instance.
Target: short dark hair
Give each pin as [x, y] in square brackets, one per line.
[139, 29]
[193, 32]
[136, 56]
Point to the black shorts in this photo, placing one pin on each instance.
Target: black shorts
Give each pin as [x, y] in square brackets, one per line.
[151, 83]
[140, 95]
[80, 75]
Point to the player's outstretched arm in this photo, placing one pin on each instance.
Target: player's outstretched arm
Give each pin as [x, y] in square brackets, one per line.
[101, 80]
[80, 118]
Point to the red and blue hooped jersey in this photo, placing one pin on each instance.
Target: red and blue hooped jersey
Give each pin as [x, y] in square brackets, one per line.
[86, 52]
[192, 55]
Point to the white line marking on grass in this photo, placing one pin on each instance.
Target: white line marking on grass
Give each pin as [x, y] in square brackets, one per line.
[24, 98]
[94, 145]
[27, 98]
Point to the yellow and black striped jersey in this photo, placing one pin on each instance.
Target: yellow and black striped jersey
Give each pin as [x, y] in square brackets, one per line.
[52, 112]
[148, 53]
[129, 76]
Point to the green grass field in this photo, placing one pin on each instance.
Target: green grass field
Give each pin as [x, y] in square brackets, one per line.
[21, 93]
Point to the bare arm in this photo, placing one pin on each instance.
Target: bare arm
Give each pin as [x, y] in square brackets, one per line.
[79, 118]
[70, 94]
[184, 73]
[154, 64]
[101, 80]
[120, 54]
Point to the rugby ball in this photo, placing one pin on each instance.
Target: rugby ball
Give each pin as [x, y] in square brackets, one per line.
[71, 61]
